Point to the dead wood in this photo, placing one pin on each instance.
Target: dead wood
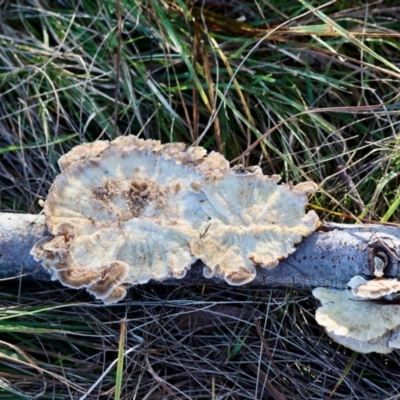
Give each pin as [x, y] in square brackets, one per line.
[329, 257]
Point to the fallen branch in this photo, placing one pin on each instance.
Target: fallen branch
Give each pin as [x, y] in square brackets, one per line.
[329, 257]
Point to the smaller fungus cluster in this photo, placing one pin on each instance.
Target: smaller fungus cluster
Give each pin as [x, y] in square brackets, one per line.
[364, 318]
[127, 211]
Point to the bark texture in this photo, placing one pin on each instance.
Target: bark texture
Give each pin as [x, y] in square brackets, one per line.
[329, 257]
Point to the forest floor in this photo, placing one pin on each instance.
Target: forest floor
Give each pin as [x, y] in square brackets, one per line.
[303, 92]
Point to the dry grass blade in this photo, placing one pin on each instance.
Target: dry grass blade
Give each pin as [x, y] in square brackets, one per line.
[120, 365]
[117, 65]
[345, 372]
[281, 34]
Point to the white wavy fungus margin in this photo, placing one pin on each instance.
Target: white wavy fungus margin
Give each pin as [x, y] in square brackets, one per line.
[130, 210]
[366, 318]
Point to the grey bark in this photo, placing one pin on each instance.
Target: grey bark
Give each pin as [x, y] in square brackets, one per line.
[329, 257]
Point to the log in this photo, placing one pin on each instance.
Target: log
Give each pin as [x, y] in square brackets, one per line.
[330, 257]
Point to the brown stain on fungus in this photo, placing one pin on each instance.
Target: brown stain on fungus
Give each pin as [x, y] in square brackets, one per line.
[111, 275]
[241, 276]
[138, 196]
[105, 192]
[142, 193]
[117, 294]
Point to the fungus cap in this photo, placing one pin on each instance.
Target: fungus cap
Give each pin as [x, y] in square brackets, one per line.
[361, 325]
[123, 216]
[380, 265]
[373, 289]
[131, 210]
[253, 222]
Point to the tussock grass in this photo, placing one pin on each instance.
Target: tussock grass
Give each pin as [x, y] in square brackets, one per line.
[314, 89]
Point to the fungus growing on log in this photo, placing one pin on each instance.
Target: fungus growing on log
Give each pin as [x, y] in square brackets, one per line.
[131, 210]
[121, 216]
[253, 222]
[373, 289]
[363, 319]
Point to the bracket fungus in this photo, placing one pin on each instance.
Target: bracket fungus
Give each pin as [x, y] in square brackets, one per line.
[253, 222]
[127, 211]
[365, 318]
[374, 288]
